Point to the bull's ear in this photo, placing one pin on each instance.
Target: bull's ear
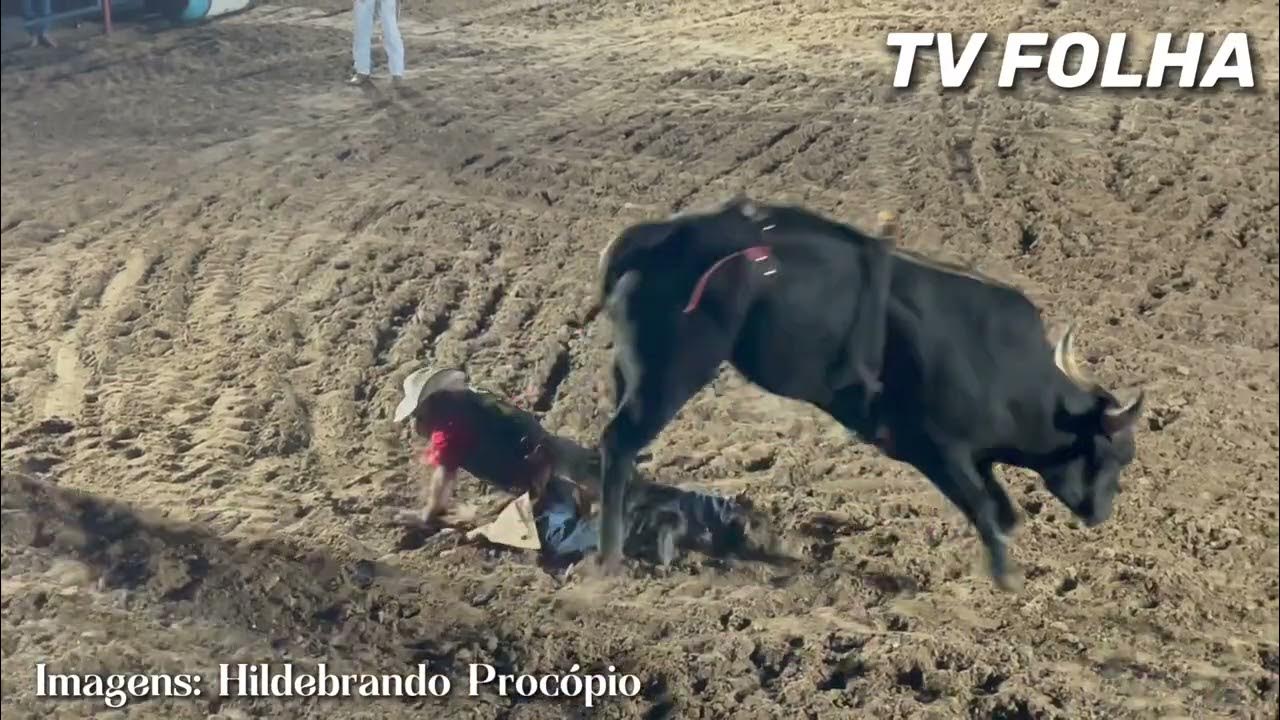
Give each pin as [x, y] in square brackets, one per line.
[1120, 416]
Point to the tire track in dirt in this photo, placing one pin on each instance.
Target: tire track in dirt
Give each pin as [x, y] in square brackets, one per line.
[497, 252]
[442, 328]
[562, 339]
[202, 411]
[82, 355]
[763, 141]
[223, 433]
[70, 378]
[73, 380]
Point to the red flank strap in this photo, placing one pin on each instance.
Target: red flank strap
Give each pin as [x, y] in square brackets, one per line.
[755, 254]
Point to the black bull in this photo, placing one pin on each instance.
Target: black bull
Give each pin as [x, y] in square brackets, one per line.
[950, 372]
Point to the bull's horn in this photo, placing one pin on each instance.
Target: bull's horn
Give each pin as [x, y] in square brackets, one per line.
[1064, 357]
[1120, 417]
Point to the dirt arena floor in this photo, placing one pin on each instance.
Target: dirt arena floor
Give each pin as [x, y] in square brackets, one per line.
[219, 262]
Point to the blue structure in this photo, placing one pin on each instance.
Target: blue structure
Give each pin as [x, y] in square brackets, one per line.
[193, 11]
[38, 15]
[42, 15]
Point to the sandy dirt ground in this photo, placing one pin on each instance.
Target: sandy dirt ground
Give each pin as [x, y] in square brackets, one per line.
[219, 263]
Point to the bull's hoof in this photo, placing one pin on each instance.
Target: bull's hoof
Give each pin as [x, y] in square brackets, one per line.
[1008, 581]
[608, 566]
[593, 567]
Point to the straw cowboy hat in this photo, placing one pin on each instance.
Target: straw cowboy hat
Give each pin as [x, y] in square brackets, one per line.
[422, 384]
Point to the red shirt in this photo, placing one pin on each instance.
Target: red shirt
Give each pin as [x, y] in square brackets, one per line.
[449, 446]
[464, 423]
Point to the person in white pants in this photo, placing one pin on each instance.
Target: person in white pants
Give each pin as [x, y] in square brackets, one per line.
[362, 46]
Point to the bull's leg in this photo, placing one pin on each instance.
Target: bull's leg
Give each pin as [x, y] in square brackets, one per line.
[1006, 516]
[956, 476]
[618, 447]
[657, 385]
[853, 408]
[636, 423]
[619, 386]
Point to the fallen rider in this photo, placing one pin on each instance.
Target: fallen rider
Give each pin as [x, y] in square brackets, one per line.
[557, 481]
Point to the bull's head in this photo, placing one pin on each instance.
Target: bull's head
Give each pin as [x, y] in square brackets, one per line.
[1085, 476]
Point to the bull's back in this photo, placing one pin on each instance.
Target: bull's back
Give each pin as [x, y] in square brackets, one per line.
[819, 317]
[961, 300]
[955, 328]
[797, 331]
